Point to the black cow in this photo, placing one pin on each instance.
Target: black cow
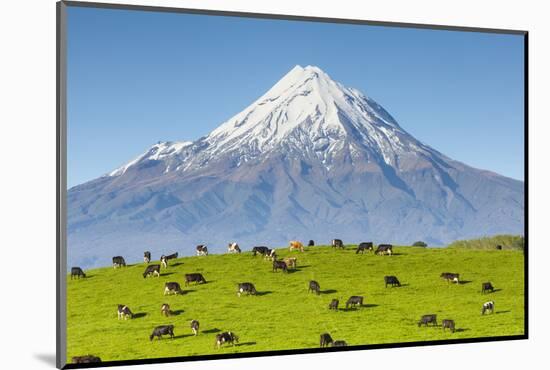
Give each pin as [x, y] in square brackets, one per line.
[333, 305]
[118, 261]
[314, 287]
[325, 340]
[499, 247]
[391, 280]
[202, 250]
[384, 249]
[88, 359]
[165, 310]
[124, 312]
[450, 324]
[311, 243]
[246, 288]
[427, 319]
[354, 300]
[488, 306]
[365, 246]
[147, 257]
[337, 243]
[195, 326]
[159, 331]
[339, 343]
[226, 337]
[261, 250]
[196, 277]
[77, 272]
[450, 276]
[280, 265]
[172, 288]
[486, 287]
[151, 270]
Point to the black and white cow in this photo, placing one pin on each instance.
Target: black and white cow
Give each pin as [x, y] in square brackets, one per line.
[159, 331]
[333, 305]
[165, 310]
[488, 306]
[247, 288]
[271, 254]
[428, 319]
[164, 259]
[147, 257]
[194, 277]
[314, 287]
[202, 250]
[195, 326]
[152, 270]
[76, 272]
[280, 265]
[354, 300]
[339, 343]
[172, 288]
[124, 312]
[384, 249]
[337, 243]
[226, 337]
[448, 324]
[260, 250]
[487, 287]
[365, 246]
[311, 243]
[392, 281]
[88, 359]
[325, 340]
[118, 261]
[233, 248]
[450, 276]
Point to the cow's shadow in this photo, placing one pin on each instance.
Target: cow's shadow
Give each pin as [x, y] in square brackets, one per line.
[211, 331]
[463, 282]
[166, 274]
[263, 293]
[139, 315]
[183, 336]
[328, 291]
[176, 264]
[493, 291]
[187, 291]
[245, 344]
[176, 312]
[460, 330]
[499, 312]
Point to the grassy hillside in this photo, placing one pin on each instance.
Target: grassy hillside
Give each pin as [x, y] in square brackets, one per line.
[283, 315]
[515, 242]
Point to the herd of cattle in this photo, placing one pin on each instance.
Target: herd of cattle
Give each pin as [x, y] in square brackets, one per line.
[284, 265]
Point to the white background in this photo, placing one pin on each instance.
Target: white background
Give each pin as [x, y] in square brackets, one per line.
[27, 185]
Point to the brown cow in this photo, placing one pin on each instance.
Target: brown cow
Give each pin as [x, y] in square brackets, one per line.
[294, 244]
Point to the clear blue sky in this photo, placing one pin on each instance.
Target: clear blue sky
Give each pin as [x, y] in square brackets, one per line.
[135, 78]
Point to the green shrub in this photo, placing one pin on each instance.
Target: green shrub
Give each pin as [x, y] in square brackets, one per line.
[420, 244]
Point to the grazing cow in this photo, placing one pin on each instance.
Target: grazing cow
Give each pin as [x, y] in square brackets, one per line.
[486, 287]
[450, 324]
[311, 243]
[77, 272]
[118, 261]
[165, 310]
[365, 246]
[247, 288]
[354, 300]
[427, 319]
[337, 243]
[151, 270]
[333, 305]
[488, 306]
[124, 312]
[172, 288]
[195, 326]
[314, 287]
[384, 249]
[290, 262]
[294, 244]
[159, 331]
[280, 265]
[261, 250]
[202, 250]
[88, 359]
[233, 248]
[147, 257]
[271, 255]
[164, 259]
[450, 276]
[499, 247]
[339, 343]
[226, 337]
[196, 277]
[391, 280]
[326, 340]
